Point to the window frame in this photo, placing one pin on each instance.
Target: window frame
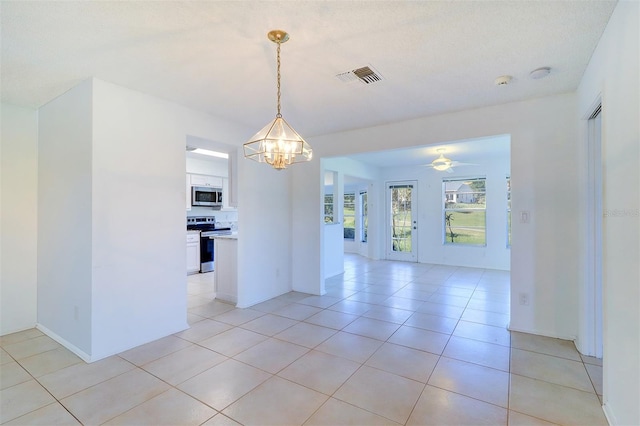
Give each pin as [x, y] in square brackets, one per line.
[329, 209]
[345, 216]
[449, 200]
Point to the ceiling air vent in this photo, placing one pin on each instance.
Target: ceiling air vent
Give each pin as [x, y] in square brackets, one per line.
[366, 75]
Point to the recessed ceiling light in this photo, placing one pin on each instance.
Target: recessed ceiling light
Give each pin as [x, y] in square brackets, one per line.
[503, 80]
[540, 73]
[207, 152]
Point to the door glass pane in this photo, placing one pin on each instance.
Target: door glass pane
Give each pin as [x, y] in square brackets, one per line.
[365, 216]
[349, 216]
[401, 218]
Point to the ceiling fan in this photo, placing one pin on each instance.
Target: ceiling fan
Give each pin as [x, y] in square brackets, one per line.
[444, 164]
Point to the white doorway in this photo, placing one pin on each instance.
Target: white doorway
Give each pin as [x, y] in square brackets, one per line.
[402, 221]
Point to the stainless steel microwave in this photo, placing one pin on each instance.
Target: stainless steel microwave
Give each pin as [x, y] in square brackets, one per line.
[206, 196]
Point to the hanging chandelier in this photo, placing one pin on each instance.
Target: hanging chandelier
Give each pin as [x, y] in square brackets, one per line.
[277, 144]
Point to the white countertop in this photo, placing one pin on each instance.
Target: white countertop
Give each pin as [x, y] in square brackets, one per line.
[233, 236]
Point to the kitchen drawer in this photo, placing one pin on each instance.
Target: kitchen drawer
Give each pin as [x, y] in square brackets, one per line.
[193, 238]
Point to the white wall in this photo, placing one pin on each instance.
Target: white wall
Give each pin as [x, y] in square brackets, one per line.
[112, 218]
[65, 218]
[612, 74]
[138, 263]
[264, 232]
[114, 251]
[333, 249]
[18, 218]
[543, 255]
[333, 233]
[307, 243]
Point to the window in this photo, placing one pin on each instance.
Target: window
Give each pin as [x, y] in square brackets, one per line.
[364, 219]
[328, 208]
[349, 216]
[508, 211]
[329, 200]
[465, 211]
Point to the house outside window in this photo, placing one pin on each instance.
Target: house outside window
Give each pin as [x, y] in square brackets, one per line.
[349, 216]
[464, 211]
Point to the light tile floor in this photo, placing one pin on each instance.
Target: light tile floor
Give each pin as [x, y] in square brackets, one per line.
[390, 343]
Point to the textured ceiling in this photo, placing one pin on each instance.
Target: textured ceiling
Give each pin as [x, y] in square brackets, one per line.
[481, 151]
[214, 56]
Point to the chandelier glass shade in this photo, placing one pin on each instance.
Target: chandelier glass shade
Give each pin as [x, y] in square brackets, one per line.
[277, 144]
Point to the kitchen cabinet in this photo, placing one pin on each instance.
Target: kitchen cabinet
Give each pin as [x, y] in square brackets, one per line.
[226, 268]
[205, 180]
[193, 252]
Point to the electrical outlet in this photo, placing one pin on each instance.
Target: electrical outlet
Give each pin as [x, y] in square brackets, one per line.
[524, 216]
[76, 313]
[524, 299]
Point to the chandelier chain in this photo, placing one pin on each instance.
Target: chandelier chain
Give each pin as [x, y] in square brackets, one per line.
[278, 115]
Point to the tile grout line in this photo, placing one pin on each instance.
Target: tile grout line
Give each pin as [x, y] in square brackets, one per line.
[359, 316]
[35, 379]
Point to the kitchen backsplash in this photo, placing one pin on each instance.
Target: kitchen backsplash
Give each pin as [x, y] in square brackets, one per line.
[224, 219]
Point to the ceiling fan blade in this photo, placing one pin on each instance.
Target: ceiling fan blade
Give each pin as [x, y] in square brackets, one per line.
[458, 164]
[450, 170]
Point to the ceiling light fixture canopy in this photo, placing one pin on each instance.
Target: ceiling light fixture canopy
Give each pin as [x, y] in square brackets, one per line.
[539, 73]
[277, 144]
[441, 163]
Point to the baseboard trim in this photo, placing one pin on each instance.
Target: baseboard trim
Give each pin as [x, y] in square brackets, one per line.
[541, 333]
[611, 418]
[82, 354]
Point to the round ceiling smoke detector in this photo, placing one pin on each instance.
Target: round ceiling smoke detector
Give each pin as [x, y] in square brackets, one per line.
[540, 73]
[503, 80]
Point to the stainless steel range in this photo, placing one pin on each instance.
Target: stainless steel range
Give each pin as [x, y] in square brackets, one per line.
[207, 227]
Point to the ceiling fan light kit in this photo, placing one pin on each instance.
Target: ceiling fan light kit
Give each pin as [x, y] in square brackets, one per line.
[441, 163]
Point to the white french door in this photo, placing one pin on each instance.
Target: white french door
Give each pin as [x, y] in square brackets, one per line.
[402, 221]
